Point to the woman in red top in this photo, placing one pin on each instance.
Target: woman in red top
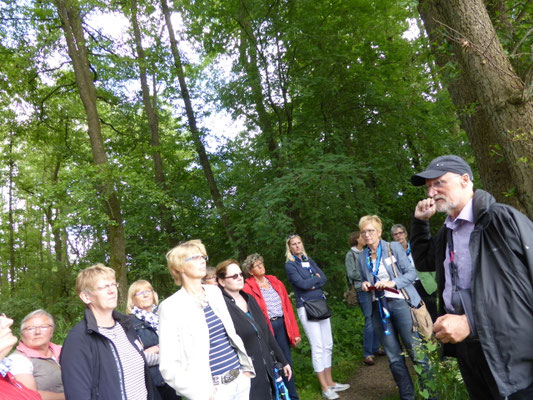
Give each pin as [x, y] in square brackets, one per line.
[10, 389]
[274, 301]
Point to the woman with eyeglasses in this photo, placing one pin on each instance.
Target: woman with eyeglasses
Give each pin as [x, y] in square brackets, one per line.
[142, 303]
[10, 388]
[102, 357]
[391, 316]
[252, 327]
[307, 280]
[35, 362]
[200, 354]
[273, 299]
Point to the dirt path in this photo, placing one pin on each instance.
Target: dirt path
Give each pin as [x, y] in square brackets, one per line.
[371, 383]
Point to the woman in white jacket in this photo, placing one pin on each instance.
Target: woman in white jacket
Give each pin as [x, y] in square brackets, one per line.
[201, 355]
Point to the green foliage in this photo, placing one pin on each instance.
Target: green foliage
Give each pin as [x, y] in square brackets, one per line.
[445, 381]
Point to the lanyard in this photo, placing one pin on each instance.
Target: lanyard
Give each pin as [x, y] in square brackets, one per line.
[453, 265]
[369, 264]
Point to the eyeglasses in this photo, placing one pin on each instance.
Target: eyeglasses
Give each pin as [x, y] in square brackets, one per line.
[143, 293]
[210, 278]
[292, 235]
[234, 277]
[196, 258]
[257, 264]
[368, 232]
[107, 287]
[42, 328]
[398, 233]
[438, 184]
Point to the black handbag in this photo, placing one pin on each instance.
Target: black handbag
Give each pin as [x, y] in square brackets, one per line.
[317, 310]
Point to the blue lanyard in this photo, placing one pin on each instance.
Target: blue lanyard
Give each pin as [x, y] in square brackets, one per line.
[369, 264]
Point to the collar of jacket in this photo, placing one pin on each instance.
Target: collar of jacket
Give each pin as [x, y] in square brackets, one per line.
[122, 319]
[481, 204]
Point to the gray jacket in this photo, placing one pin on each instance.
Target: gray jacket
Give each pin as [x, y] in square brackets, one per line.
[352, 269]
[406, 271]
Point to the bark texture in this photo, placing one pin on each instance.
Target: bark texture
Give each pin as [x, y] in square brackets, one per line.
[502, 119]
[72, 27]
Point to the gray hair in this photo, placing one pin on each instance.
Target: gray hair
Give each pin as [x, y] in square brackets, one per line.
[398, 226]
[35, 314]
[248, 264]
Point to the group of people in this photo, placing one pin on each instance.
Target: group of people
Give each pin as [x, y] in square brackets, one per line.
[222, 336]
[483, 263]
[219, 337]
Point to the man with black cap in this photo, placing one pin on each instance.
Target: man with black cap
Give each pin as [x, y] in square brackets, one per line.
[483, 256]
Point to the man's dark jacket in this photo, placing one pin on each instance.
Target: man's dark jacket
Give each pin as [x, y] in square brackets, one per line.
[501, 247]
[88, 367]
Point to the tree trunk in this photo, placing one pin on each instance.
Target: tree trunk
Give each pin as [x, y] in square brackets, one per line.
[72, 26]
[494, 85]
[152, 117]
[12, 258]
[493, 168]
[200, 148]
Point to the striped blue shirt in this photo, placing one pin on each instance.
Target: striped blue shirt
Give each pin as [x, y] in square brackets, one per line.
[222, 357]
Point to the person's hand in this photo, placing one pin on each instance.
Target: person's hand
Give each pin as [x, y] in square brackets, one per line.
[153, 349]
[318, 275]
[7, 340]
[287, 371]
[380, 285]
[450, 328]
[248, 374]
[425, 209]
[365, 285]
[297, 339]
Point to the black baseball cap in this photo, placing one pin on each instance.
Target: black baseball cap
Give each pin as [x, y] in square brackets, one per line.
[439, 166]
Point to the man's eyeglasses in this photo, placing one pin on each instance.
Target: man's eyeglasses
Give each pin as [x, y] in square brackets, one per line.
[107, 287]
[196, 258]
[42, 328]
[368, 232]
[143, 293]
[234, 277]
[438, 184]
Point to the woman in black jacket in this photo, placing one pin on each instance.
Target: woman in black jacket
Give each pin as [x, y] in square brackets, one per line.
[142, 303]
[252, 327]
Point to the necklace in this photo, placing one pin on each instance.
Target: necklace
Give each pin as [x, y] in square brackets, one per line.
[264, 283]
[200, 297]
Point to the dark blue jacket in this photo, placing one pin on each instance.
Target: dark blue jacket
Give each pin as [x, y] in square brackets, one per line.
[305, 286]
[88, 367]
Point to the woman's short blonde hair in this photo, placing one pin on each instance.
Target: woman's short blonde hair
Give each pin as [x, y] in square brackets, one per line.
[288, 253]
[87, 278]
[374, 220]
[248, 264]
[176, 257]
[135, 287]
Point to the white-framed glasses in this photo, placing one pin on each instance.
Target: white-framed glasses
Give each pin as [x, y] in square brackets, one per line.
[196, 258]
[143, 293]
[42, 328]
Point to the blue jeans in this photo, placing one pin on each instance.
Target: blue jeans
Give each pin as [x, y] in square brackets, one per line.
[370, 339]
[280, 334]
[400, 326]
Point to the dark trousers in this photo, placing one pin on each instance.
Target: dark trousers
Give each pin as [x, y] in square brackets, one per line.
[280, 334]
[477, 376]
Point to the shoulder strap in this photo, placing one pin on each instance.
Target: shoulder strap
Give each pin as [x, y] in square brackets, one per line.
[396, 275]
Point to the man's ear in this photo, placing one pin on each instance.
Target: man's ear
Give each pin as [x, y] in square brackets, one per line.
[84, 296]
